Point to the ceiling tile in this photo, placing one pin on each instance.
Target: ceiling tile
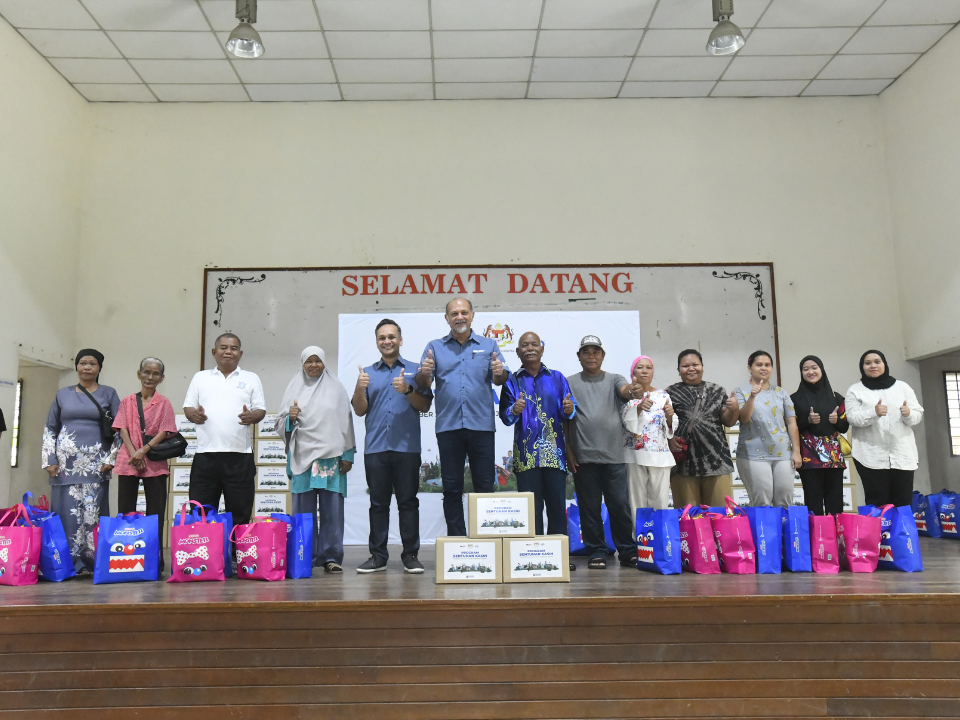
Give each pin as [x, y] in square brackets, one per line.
[284, 71]
[186, 71]
[272, 15]
[374, 14]
[384, 71]
[846, 87]
[666, 89]
[480, 91]
[580, 69]
[560, 90]
[606, 14]
[796, 41]
[78, 70]
[72, 43]
[854, 67]
[116, 93]
[388, 91]
[678, 68]
[147, 14]
[588, 43]
[758, 88]
[379, 44]
[674, 14]
[283, 45]
[906, 39]
[769, 67]
[674, 42]
[484, 43]
[818, 13]
[62, 14]
[486, 14]
[293, 93]
[482, 70]
[917, 12]
[172, 45]
[200, 93]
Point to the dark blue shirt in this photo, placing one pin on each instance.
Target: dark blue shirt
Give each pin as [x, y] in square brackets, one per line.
[538, 438]
[465, 398]
[392, 422]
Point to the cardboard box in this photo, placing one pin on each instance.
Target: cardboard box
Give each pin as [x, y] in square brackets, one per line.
[469, 561]
[181, 479]
[272, 477]
[545, 558]
[185, 427]
[187, 458]
[267, 503]
[271, 452]
[502, 514]
[265, 426]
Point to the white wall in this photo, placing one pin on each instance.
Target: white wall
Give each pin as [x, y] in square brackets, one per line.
[44, 124]
[944, 465]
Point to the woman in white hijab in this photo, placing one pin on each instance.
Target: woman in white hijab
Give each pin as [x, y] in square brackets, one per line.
[317, 426]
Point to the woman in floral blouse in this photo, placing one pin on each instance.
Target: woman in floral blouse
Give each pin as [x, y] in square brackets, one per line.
[78, 459]
[649, 422]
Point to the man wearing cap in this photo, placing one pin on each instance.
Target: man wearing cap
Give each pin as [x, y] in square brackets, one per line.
[595, 455]
[464, 365]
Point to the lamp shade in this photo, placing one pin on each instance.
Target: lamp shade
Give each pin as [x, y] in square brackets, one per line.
[725, 39]
[244, 41]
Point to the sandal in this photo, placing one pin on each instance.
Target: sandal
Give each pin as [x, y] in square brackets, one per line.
[332, 567]
[597, 563]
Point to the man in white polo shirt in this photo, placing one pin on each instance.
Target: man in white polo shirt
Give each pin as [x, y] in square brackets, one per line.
[224, 403]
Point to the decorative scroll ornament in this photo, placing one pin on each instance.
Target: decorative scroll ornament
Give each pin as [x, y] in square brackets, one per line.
[754, 280]
[230, 282]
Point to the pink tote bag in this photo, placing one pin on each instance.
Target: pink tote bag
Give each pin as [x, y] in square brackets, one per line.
[19, 549]
[858, 542]
[824, 551]
[261, 549]
[196, 550]
[734, 540]
[698, 551]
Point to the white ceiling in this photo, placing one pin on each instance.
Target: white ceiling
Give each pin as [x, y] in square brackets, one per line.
[172, 50]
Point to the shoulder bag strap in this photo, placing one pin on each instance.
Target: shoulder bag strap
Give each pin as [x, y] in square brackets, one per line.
[100, 409]
[143, 423]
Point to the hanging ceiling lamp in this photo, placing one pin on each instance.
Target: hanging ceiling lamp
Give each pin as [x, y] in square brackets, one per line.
[244, 41]
[726, 37]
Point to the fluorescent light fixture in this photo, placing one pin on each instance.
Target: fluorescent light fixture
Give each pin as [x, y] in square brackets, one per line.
[244, 41]
[726, 38]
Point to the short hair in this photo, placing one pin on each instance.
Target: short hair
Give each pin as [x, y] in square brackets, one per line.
[689, 351]
[158, 361]
[387, 321]
[756, 354]
[446, 310]
[226, 335]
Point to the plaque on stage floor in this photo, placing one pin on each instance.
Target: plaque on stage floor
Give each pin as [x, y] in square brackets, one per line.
[545, 558]
[502, 514]
[469, 560]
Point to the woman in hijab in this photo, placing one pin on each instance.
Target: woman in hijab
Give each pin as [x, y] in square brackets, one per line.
[883, 411]
[317, 426]
[821, 419]
[79, 452]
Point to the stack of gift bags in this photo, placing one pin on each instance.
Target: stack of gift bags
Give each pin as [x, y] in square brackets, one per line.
[769, 540]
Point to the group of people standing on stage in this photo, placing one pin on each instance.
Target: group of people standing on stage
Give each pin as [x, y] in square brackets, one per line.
[625, 442]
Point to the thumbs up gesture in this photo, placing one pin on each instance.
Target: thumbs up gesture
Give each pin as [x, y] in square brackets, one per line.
[400, 383]
[429, 364]
[880, 408]
[519, 405]
[668, 413]
[814, 417]
[363, 380]
[567, 405]
[246, 417]
[294, 411]
[904, 410]
[755, 387]
[496, 366]
[732, 403]
[835, 415]
[646, 402]
[195, 415]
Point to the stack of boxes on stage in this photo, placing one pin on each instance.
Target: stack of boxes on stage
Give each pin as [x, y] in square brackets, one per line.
[502, 546]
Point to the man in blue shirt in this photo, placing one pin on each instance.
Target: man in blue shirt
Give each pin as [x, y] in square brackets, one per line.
[464, 365]
[391, 404]
[538, 403]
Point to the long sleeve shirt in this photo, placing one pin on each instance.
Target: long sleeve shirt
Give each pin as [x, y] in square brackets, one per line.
[884, 442]
[538, 437]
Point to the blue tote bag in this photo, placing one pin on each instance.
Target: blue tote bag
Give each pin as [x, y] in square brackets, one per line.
[299, 544]
[56, 565]
[899, 542]
[128, 549]
[573, 529]
[766, 523]
[926, 512]
[947, 504]
[225, 519]
[796, 539]
[658, 541]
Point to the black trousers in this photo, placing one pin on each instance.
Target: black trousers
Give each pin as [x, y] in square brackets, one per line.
[822, 490]
[549, 486]
[228, 473]
[886, 486]
[455, 446]
[393, 473]
[155, 489]
[597, 483]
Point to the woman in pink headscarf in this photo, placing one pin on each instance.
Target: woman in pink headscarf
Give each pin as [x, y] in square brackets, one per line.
[650, 423]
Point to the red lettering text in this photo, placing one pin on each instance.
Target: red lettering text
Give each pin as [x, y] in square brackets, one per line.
[616, 285]
[431, 287]
[386, 286]
[409, 283]
[457, 282]
[559, 278]
[513, 282]
[476, 286]
[349, 283]
[539, 281]
[577, 282]
[597, 281]
[369, 284]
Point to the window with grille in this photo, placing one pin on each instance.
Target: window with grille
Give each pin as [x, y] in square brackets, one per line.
[15, 443]
[952, 382]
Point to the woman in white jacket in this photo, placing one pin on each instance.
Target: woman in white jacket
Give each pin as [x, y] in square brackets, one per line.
[882, 412]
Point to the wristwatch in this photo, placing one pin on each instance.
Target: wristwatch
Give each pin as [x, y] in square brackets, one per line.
[409, 390]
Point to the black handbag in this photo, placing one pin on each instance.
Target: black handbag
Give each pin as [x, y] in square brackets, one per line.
[172, 446]
[107, 432]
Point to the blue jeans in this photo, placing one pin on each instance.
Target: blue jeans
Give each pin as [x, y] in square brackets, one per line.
[597, 483]
[393, 473]
[548, 485]
[455, 447]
